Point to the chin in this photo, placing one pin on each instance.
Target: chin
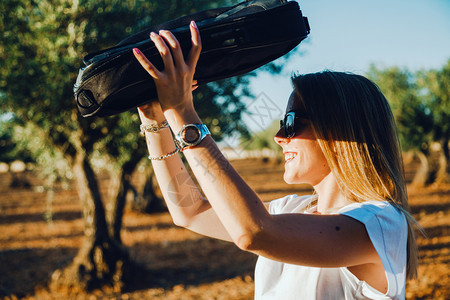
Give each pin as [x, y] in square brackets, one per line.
[297, 177]
[291, 180]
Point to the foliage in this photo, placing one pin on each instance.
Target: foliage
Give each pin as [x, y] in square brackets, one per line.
[413, 117]
[41, 51]
[10, 148]
[7, 146]
[421, 107]
[435, 86]
[263, 139]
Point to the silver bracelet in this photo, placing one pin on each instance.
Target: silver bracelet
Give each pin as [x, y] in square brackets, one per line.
[153, 128]
[162, 157]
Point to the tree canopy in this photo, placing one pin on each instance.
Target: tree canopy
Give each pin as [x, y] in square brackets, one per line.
[421, 107]
[42, 48]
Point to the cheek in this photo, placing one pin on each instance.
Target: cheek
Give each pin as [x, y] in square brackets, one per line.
[321, 160]
[316, 164]
[323, 168]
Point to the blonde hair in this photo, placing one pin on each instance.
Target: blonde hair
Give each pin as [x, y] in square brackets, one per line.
[356, 131]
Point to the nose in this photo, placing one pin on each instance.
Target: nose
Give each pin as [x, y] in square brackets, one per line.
[280, 138]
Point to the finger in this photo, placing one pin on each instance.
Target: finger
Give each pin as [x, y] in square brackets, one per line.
[175, 45]
[164, 51]
[194, 85]
[146, 64]
[194, 54]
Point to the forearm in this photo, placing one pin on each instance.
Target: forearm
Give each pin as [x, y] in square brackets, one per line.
[183, 199]
[236, 204]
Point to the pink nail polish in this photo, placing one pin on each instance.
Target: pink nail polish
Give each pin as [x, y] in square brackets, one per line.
[194, 24]
[136, 50]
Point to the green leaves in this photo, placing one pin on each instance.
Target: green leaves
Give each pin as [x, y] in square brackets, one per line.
[412, 114]
[41, 51]
[435, 88]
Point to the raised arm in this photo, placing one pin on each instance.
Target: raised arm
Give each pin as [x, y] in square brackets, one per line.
[294, 238]
[186, 205]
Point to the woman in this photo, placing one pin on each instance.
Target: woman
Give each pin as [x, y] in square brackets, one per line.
[351, 240]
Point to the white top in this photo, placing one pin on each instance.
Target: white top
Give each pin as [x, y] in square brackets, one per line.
[388, 231]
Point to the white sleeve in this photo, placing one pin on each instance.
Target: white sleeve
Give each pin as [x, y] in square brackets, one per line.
[388, 231]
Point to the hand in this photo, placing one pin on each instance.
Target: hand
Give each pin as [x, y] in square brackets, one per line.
[175, 83]
[152, 111]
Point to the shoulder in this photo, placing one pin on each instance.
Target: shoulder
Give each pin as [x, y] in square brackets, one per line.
[388, 231]
[383, 211]
[385, 224]
[290, 204]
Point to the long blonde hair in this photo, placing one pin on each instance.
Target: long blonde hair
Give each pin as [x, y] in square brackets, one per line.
[356, 131]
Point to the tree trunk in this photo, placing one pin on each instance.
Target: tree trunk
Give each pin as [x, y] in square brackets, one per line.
[442, 173]
[147, 201]
[445, 147]
[100, 260]
[119, 199]
[152, 201]
[18, 179]
[422, 174]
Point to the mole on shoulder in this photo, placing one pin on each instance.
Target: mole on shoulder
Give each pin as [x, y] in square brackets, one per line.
[337, 228]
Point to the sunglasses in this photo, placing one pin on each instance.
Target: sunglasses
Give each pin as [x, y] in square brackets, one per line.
[290, 123]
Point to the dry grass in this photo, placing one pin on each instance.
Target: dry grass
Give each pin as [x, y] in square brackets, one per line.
[184, 264]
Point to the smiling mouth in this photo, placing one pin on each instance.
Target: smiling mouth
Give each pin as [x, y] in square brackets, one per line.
[289, 156]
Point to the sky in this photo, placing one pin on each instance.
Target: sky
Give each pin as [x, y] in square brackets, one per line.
[350, 35]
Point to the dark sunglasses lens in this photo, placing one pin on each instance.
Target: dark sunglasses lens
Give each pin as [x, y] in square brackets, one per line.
[289, 123]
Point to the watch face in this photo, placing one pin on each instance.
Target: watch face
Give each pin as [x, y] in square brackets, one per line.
[190, 134]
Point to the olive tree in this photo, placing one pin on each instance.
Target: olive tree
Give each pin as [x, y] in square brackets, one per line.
[41, 49]
[414, 117]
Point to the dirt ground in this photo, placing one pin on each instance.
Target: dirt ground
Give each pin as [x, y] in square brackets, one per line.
[40, 231]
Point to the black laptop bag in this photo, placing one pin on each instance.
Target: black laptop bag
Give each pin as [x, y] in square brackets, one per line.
[235, 40]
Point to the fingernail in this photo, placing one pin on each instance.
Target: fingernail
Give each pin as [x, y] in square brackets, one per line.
[136, 50]
[152, 34]
[194, 24]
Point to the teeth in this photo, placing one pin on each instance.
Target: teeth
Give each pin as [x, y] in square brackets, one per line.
[289, 156]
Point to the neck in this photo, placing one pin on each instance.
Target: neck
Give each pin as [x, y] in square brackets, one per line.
[330, 196]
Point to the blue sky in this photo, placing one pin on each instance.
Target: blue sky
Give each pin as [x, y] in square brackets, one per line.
[349, 35]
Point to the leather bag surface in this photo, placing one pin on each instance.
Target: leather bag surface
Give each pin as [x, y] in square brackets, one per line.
[235, 40]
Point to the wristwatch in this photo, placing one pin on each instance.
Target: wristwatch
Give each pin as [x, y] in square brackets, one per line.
[191, 135]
